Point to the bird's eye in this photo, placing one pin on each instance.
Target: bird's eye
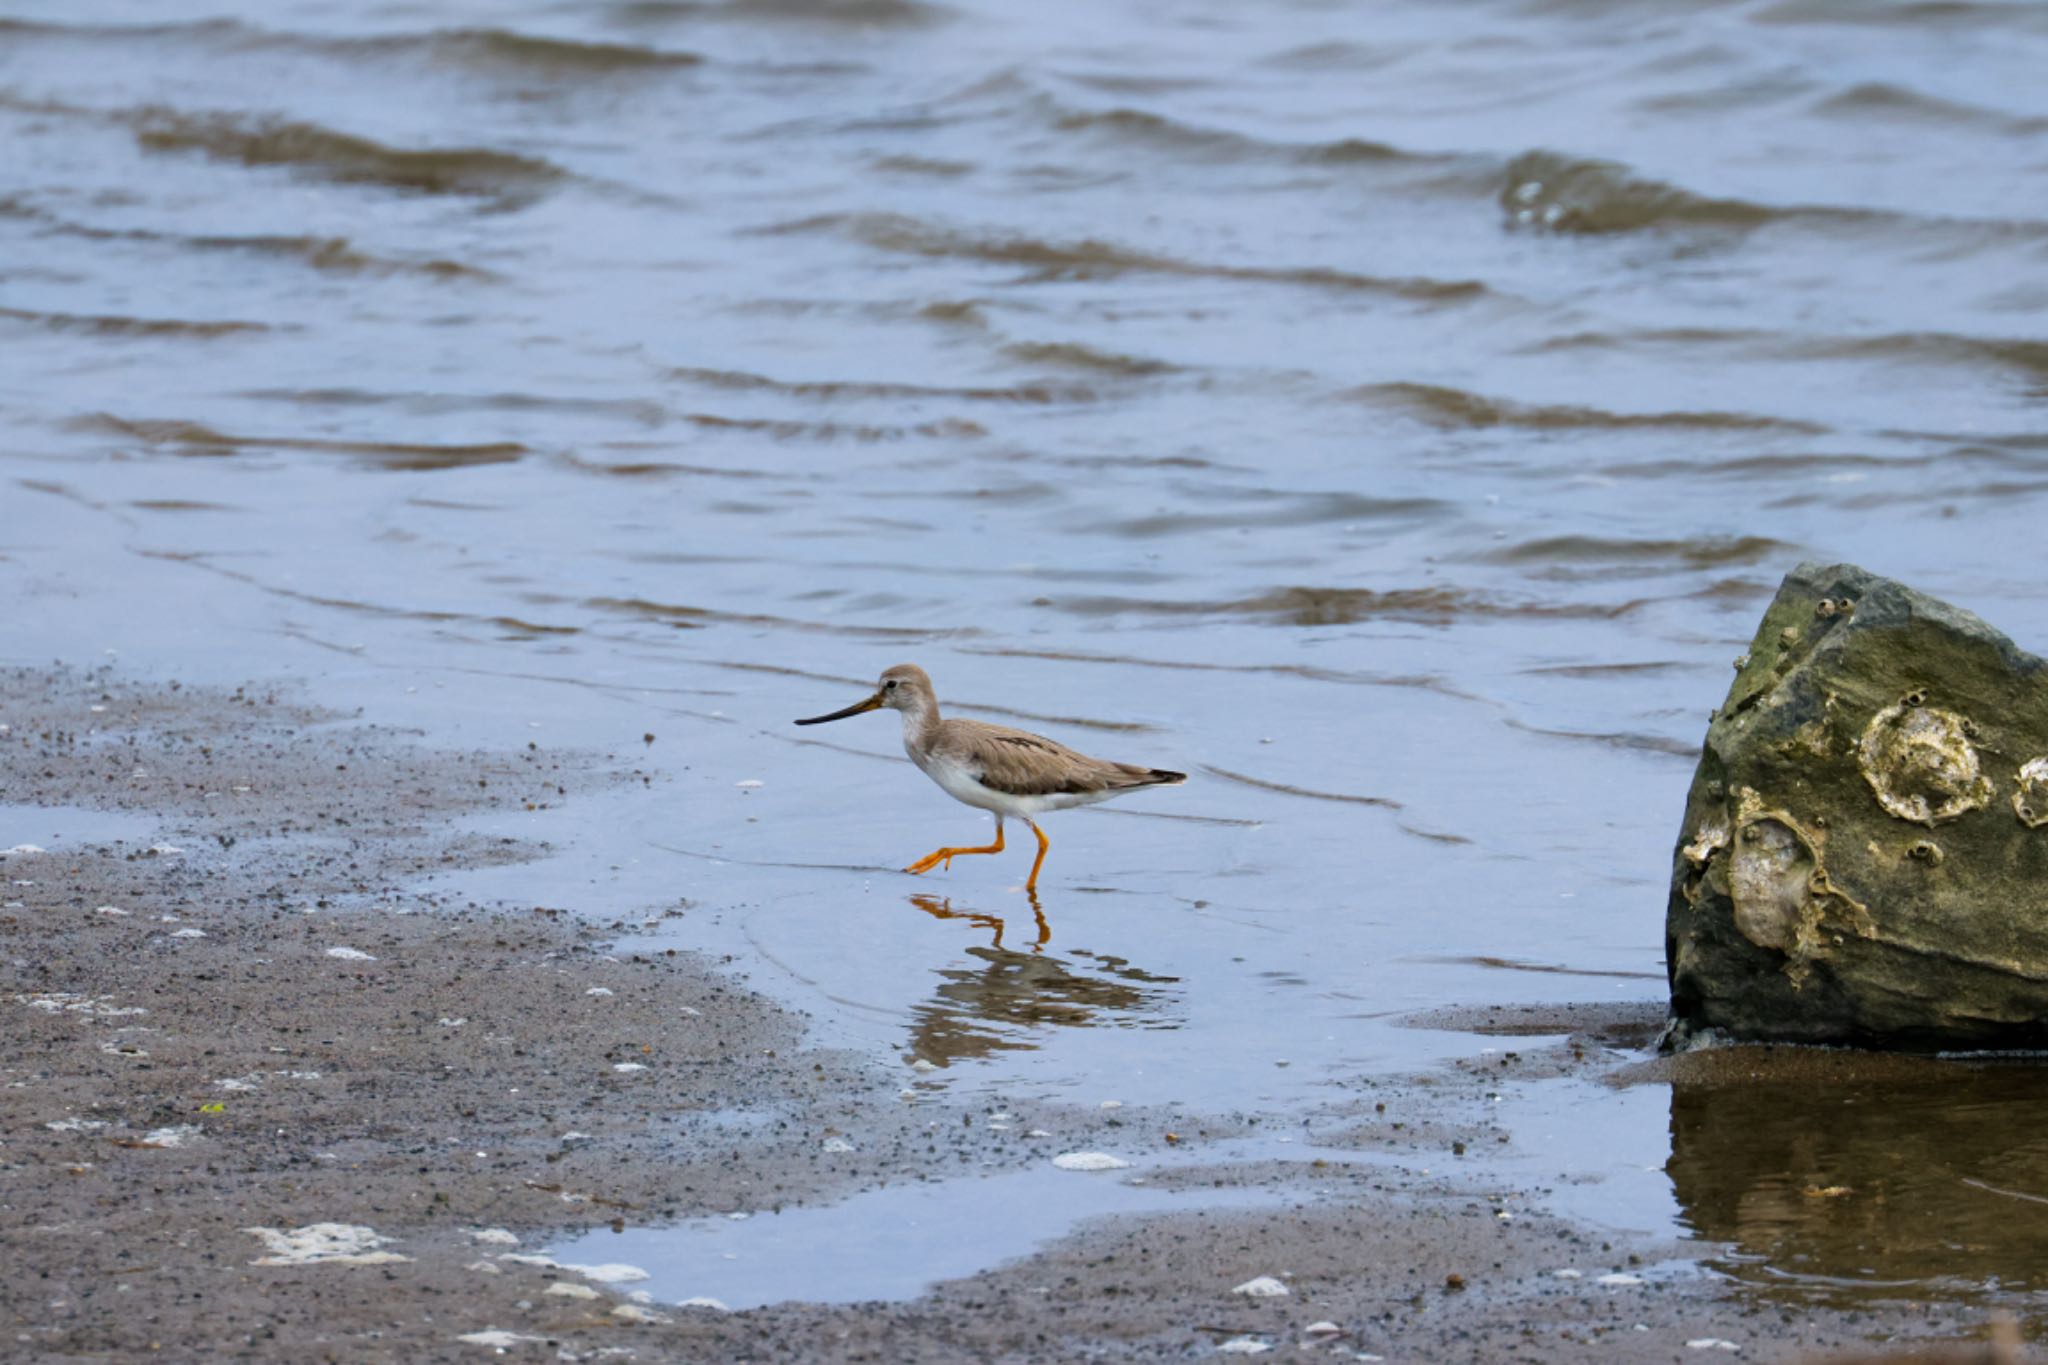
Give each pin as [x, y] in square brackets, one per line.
[890, 685]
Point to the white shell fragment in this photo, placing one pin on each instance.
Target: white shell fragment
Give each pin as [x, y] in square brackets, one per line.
[324, 1244]
[1264, 1287]
[838, 1144]
[566, 1290]
[176, 1136]
[603, 1274]
[497, 1337]
[705, 1301]
[497, 1237]
[350, 954]
[1243, 1346]
[1711, 1344]
[1089, 1161]
[1617, 1279]
[633, 1312]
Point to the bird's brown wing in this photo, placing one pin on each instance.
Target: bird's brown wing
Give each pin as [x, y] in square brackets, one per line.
[1024, 764]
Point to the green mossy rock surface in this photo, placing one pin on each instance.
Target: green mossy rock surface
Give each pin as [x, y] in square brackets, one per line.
[1864, 857]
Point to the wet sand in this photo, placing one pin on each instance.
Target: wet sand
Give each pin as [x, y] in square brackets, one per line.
[255, 1009]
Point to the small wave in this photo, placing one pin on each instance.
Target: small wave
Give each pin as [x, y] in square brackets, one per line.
[833, 389]
[1263, 784]
[343, 157]
[1511, 964]
[1456, 408]
[1285, 510]
[2024, 355]
[1141, 127]
[491, 48]
[1546, 191]
[659, 469]
[1424, 682]
[1898, 103]
[1619, 739]
[783, 429]
[925, 166]
[114, 325]
[1089, 259]
[1073, 356]
[638, 411]
[335, 254]
[1302, 606]
[1702, 552]
[1563, 194]
[197, 439]
[1628, 670]
[696, 618]
[866, 14]
[1041, 718]
[483, 49]
[1914, 14]
[181, 505]
[1334, 55]
[1636, 338]
[954, 313]
[1351, 151]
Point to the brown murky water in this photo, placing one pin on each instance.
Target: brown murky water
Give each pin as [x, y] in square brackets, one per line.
[1394, 415]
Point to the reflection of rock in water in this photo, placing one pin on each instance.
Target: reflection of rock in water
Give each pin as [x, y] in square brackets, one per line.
[1838, 1176]
[999, 1005]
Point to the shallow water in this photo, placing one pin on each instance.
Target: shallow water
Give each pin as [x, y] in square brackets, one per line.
[1394, 416]
[891, 1242]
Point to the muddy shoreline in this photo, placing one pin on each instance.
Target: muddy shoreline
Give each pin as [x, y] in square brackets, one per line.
[261, 1012]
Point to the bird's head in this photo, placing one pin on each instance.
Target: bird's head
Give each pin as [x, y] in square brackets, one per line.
[904, 687]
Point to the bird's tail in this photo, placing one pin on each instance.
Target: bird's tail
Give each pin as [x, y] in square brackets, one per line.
[1151, 777]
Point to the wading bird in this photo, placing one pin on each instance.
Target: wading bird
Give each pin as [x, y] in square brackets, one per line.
[995, 768]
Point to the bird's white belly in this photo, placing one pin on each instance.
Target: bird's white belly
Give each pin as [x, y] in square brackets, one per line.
[959, 782]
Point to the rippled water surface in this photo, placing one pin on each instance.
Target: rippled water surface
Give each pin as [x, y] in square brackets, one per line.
[1394, 415]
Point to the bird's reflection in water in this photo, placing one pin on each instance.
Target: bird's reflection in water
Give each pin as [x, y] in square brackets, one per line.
[1012, 995]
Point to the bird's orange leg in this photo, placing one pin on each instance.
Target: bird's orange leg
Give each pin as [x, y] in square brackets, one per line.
[1031, 882]
[946, 855]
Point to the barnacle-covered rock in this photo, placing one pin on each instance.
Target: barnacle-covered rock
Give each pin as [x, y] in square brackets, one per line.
[1809, 900]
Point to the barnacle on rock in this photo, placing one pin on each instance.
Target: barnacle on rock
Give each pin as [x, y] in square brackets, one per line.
[1919, 761]
[2030, 797]
[1926, 851]
[1779, 890]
